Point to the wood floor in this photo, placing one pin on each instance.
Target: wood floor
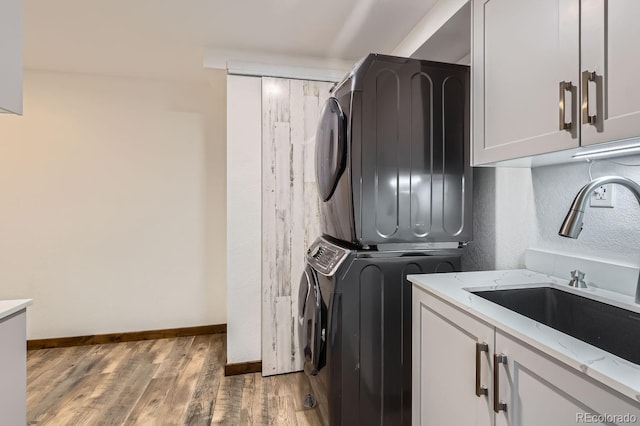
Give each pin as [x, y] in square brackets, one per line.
[157, 382]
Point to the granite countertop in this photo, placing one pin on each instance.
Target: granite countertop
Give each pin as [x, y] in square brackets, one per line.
[9, 307]
[611, 370]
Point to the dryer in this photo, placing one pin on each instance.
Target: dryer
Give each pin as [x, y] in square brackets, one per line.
[392, 155]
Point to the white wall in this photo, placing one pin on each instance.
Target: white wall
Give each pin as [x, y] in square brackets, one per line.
[244, 213]
[439, 14]
[112, 209]
[519, 208]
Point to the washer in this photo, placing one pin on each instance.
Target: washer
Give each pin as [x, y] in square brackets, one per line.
[316, 296]
[355, 329]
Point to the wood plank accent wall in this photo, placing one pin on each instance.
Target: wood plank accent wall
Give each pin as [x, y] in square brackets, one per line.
[290, 211]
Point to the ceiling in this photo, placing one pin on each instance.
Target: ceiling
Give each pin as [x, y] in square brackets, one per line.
[452, 42]
[166, 38]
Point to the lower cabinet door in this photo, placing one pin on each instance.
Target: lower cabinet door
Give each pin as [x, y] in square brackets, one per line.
[445, 368]
[13, 370]
[539, 391]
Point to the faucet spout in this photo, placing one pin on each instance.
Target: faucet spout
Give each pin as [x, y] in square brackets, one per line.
[572, 224]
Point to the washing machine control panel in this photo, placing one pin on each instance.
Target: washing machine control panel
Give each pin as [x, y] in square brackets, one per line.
[325, 257]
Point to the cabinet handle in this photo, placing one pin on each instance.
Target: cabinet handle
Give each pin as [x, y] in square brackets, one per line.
[565, 86]
[596, 120]
[497, 404]
[480, 389]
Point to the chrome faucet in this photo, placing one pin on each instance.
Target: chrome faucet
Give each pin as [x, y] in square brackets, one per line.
[572, 224]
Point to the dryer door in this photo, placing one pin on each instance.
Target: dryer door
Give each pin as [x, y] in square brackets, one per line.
[312, 317]
[331, 148]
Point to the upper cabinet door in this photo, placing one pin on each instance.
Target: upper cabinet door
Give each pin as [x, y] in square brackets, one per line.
[610, 63]
[11, 56]
[525, 77]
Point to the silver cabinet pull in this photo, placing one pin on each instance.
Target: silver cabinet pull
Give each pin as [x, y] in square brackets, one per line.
[497, 404]
[596, 120]
[565, 86]
[480, 389]
[586, 78]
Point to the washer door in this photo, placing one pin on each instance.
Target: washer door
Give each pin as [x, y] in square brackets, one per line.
[312, 314]
[331, 148]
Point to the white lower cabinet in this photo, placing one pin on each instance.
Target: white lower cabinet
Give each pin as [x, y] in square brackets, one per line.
[445, 345]
[451, 367]
[13, 369]
[539, 390]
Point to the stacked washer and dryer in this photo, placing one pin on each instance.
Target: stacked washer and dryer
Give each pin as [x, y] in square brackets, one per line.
[393, 175]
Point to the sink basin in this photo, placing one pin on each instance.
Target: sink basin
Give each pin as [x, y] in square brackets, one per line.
[607, 327]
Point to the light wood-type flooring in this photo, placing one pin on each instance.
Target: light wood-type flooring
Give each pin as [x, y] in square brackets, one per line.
[176, 381]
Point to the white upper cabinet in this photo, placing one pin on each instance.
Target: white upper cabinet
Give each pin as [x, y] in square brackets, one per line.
[610, 64]
[550, 75]
[523, 51]
[11, 56]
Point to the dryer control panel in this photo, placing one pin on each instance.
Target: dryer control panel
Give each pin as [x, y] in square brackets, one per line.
[326, 257]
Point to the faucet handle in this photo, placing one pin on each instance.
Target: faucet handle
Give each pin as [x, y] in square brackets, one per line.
[577, 279]
[577, 273]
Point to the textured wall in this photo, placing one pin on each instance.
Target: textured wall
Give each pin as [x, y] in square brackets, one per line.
[504, 219]
[608, 233]
[481, 252]
[519, 208]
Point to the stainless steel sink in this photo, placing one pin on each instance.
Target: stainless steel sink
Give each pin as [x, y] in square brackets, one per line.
[607, 327]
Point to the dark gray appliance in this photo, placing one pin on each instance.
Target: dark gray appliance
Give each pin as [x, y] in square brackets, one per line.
[355, 323]
[392, 154]
[393, 174]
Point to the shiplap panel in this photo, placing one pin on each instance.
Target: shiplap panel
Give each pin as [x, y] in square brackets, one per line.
[290, 211]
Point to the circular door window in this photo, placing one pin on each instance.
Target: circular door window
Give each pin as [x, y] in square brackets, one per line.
[330, 148]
